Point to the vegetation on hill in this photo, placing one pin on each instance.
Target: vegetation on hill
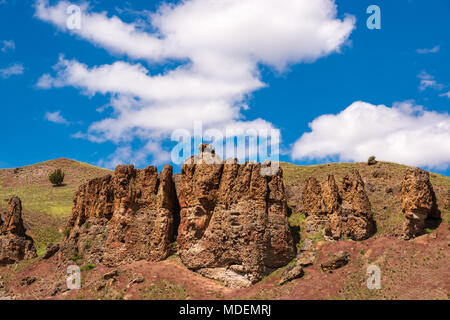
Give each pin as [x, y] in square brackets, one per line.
[382, 184]
[56, 177]
[46, 209]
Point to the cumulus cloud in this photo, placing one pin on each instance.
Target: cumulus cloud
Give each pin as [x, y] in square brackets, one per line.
[428, 50]
[404, 133]
[55, 117]
[12, 70]
[218, 47]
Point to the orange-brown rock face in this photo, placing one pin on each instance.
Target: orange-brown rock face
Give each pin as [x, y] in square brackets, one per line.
[122, 218]
[354, 217]
[15, 245]
[447, 201]
[418, 202]
[234, 224]
[319, 201]
[339, 213]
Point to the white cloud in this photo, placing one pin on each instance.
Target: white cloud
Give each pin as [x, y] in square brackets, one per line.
[428, 81]
[12, 70]
[7, 45]
[221, 45]
[428, 50]
[55, 117]
[404, 133]
[446, 94]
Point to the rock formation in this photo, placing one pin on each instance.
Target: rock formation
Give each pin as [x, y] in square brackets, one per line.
[291, 273]
[320, 200]
[339, 213]
[122, 218]
[418, 202]
[354, 218]
[15, 245]
[447, 201]
[234, 225]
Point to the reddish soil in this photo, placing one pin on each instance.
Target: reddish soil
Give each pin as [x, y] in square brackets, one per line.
[415, 269]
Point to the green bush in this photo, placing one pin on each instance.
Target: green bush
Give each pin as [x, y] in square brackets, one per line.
[56, 177]
[371, 160]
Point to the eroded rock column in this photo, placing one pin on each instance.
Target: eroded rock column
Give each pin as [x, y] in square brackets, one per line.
[15, 245]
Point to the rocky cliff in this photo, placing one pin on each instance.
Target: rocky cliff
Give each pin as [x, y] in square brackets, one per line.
[234, 222]
[15, 245]
[418, 202]
[129, 216]
[339, 213]
[230, 221]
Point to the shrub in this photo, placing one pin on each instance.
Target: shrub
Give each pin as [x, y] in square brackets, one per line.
[371, 160]
[75, 256]
[87, 267]
[56, 177]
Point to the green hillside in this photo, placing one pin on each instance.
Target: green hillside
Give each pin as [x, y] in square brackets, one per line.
[46, 208]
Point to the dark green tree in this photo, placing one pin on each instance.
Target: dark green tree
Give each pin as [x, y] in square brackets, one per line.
[372, 160]
[56, 177]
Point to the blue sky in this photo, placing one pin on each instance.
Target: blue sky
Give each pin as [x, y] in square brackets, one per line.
[387, 91]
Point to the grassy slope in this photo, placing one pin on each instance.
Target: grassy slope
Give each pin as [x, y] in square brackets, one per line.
[46, 208]
[386, 206]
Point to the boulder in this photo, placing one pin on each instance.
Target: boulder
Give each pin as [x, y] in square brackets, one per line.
[127, 217]
[110, 275]
[234, 222]
[291, 273]
[51, 250]
[15, 244]
[418, 202]
[27, 281]
[306, 258]
[338, 260]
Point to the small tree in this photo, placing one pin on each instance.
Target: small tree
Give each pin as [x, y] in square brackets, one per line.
[56, 177]
[372, 160]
